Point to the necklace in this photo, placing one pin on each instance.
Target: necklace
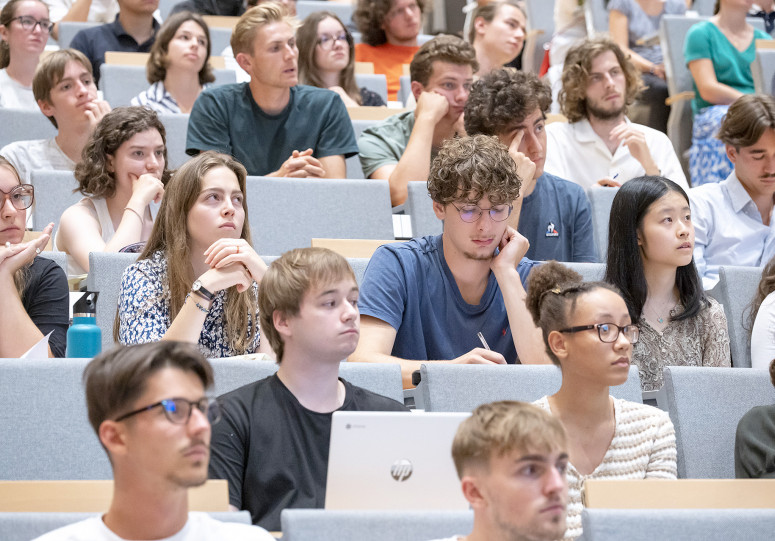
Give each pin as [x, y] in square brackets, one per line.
[666, 307]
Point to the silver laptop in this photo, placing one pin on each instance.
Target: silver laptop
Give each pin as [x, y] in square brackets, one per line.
[393, 460]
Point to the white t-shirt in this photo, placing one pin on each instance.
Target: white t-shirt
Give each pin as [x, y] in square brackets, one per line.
[763, 334]
[199, 527]
[38, 154]
[14, 95]
[576, 153]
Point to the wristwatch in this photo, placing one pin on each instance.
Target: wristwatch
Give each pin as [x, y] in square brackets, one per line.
[200, 290]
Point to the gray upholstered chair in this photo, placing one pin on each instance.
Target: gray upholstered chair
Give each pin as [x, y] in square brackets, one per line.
[705, 405]
[453, 387]
[600, 201]
[320, 525]
[68, 30]
[23, 125]
[683, 524]
[763, 70]
[735, 291]
[419, 207]
[376, 82]
[105, 271]
[286, 213]
[176, 127]
[60, 258]
[342, 10]
[353, 163]
[384, 379]
[53, 194]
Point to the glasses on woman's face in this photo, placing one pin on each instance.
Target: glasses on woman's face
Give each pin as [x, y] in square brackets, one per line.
[21, 196]
[327, 41]
[609, 332]
[29, 23]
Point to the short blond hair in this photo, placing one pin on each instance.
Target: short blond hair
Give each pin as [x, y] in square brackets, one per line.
[289, 278]
[502, 427]
[266, 13]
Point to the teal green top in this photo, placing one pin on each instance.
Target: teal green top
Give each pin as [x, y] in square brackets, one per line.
[732, 67]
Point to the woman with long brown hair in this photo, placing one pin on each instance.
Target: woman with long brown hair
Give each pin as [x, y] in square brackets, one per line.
[197, 279]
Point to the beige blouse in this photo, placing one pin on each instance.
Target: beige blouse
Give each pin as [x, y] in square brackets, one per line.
[699, 341]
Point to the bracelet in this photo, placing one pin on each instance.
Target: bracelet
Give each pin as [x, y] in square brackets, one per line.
[201, 308]
[130, 209]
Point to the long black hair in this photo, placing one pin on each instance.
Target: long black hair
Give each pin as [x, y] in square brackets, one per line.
[624, 267]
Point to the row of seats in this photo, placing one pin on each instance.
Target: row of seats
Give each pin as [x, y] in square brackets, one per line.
[47, 435]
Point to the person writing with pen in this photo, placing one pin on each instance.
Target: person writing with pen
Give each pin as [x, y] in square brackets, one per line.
[426, 299]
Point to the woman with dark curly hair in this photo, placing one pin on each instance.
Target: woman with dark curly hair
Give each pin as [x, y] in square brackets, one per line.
[327, 59]
[122, 171]
[197, 278]
[650, 259]
[178, 67]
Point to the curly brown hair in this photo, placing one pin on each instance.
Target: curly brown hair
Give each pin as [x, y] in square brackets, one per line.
[502, 99]
[444, 48]
[575, 74]
[369, 16]
[478, 166]
[156, 69]
[115, 128]
[747, 119]
[552, 293]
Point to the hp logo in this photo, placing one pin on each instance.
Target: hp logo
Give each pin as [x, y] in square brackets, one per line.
[401, 470]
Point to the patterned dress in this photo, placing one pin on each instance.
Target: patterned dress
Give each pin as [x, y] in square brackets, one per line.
[144, 311]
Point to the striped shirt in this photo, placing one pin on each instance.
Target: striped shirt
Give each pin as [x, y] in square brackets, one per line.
[157, 98]
[643, 447]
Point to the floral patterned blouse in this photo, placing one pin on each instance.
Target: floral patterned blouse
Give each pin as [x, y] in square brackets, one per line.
[144, 310]
[699, 341]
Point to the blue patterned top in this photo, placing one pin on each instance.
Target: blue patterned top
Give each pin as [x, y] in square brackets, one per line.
[144, 310]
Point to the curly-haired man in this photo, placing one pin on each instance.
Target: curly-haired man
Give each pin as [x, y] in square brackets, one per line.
[552, 213]
[457, 297]
[599, 145]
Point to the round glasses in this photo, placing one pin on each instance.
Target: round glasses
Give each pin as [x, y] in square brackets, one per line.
[29, 23]
[21, 196]
[471, 213]
[327, 41]
[178, 410]
[609, 332]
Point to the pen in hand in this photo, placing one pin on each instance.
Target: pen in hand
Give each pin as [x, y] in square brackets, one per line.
[482, 340]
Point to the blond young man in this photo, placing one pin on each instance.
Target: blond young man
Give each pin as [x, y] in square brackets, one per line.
[66, 93]
[272, 125]
[511, 458]
[272, 444]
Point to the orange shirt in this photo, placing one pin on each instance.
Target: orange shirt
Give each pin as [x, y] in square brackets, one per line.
[388, 59]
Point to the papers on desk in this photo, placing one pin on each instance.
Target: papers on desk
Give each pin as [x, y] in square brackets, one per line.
[39, 350]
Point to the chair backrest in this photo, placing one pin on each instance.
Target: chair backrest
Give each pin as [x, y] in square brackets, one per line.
[683, 524]
[596, 16]
[287, 213]
[60, 258]
[419, 207]
[405, 89]
[121, 82]
[454, 387]
[342, 10]
[735, 291]
[46, 433]
[600, 201]
[705, 405]
[24, 125]
[53, 194]
[105, 271]
[176, 127]
[763, 69]
[353, 163]
[384, 379]
[540, 26]
[320, 525]
[220, 38]
[376, 82]
[26, 526]
[68, 30]
[590, 272]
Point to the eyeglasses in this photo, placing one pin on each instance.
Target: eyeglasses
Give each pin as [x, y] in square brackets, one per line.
[471, 213]
[29, 23]
[178, 410]
[328, 41]
[609, 332]
[21, 196]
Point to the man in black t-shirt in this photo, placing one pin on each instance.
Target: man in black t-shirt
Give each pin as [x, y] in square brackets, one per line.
[272, 442]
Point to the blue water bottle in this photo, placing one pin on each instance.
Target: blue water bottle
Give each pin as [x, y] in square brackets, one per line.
[84, 338]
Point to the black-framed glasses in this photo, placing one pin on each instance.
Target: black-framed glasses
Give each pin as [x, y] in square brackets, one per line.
[21, 196]
[471, 213]
[29, 23]
[327, 41]
[609, 332]
[178, 410]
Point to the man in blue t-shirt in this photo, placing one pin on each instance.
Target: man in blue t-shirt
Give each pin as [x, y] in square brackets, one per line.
[552, 213]
[460, 296]
[273, 126]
